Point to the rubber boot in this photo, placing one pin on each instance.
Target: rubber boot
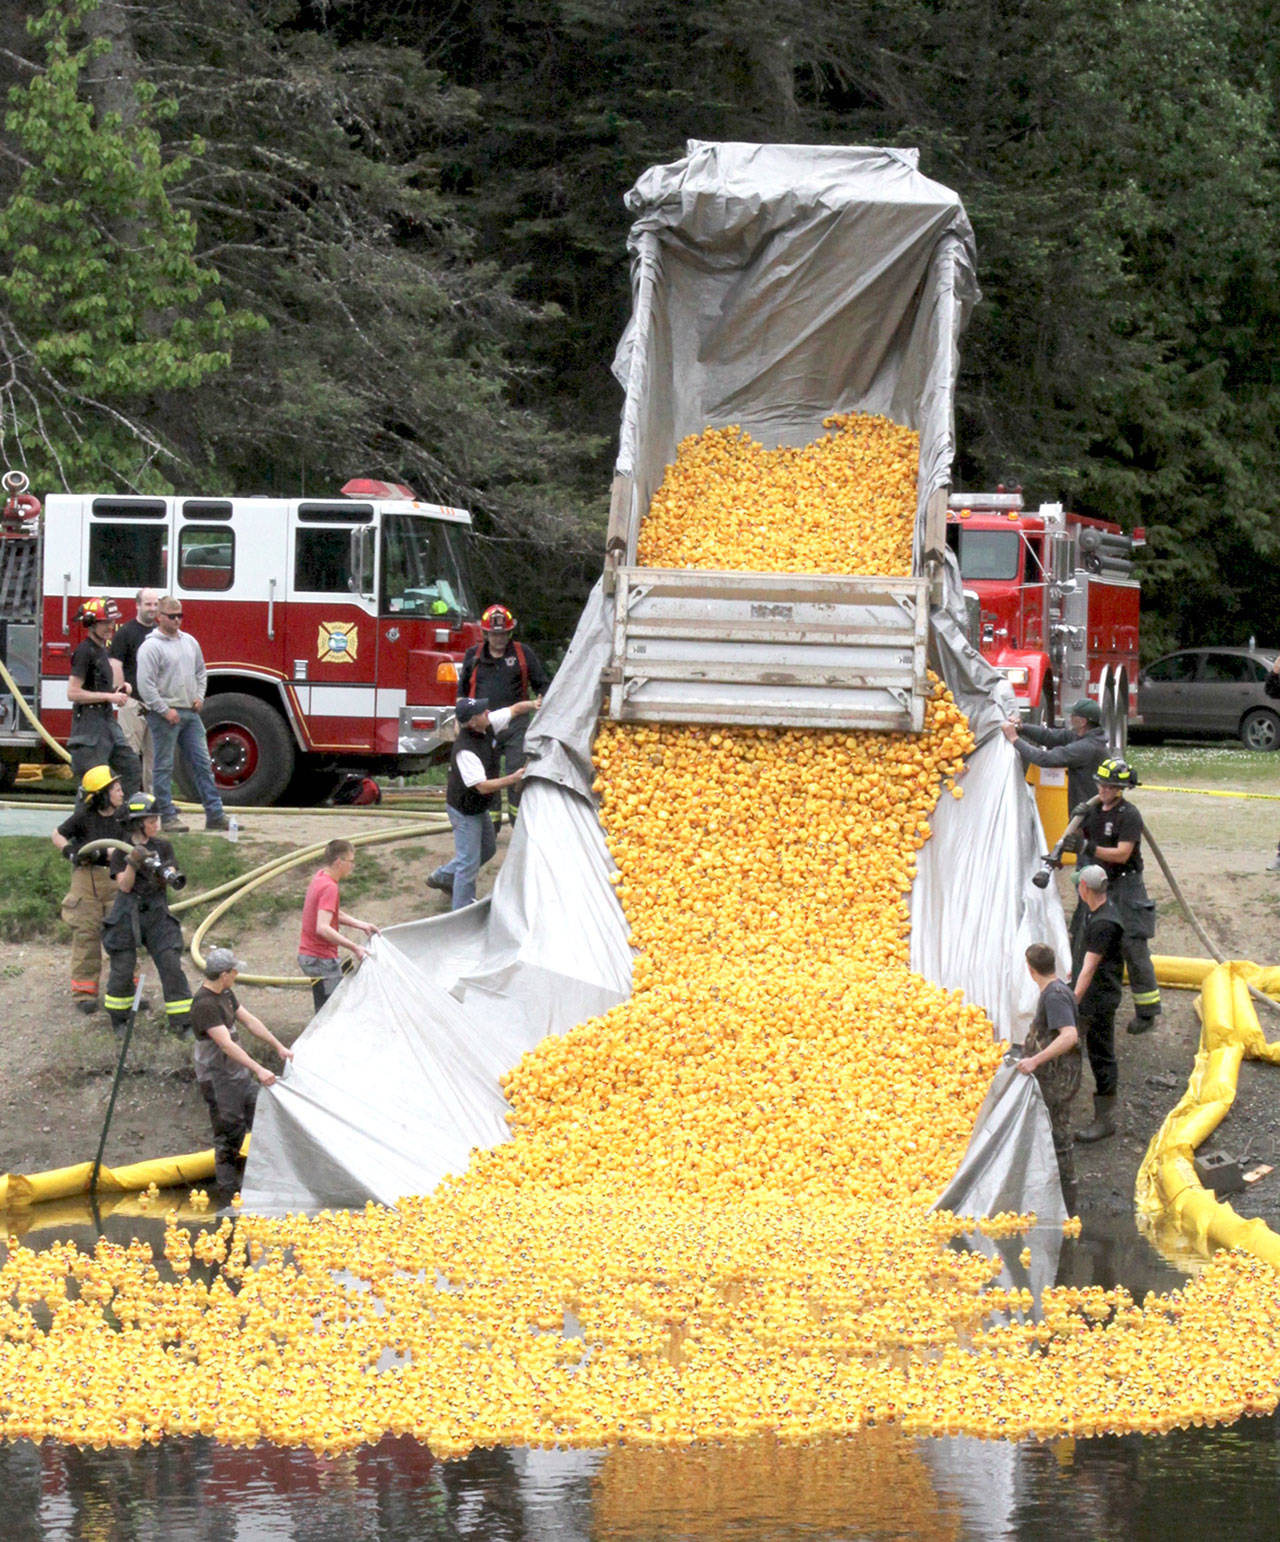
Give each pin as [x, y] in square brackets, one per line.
[1104, 1120]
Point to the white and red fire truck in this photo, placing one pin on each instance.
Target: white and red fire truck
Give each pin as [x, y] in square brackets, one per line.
[1057, 602]
[332, 627]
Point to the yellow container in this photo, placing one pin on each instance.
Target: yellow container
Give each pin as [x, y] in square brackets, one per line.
[1050, 783]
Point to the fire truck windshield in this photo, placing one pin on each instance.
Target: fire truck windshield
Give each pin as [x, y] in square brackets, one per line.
[991, 554]
[425, 571]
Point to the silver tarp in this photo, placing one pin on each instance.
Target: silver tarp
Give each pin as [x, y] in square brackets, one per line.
[772, 285]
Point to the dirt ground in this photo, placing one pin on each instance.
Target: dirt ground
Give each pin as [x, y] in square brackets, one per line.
[56, 1066]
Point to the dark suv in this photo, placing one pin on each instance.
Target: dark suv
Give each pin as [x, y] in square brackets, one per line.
[1210, 692]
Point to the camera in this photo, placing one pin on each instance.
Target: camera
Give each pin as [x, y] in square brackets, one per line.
[163, 872]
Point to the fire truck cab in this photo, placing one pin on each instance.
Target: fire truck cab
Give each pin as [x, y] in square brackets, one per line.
[1056, 599]
[331, 627]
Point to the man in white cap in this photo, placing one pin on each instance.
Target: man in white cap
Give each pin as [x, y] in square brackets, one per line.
[473, 785]
[227, 1075]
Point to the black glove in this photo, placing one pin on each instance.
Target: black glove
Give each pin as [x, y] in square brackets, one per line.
[136, 858]
[1080, 810]
[71, 852]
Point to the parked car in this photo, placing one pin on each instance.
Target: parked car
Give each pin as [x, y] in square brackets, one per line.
[1207, 693]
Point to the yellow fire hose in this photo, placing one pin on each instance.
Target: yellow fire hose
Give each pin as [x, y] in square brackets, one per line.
[247, 882]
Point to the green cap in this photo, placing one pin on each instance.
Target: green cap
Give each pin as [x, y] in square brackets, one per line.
[1086, 709]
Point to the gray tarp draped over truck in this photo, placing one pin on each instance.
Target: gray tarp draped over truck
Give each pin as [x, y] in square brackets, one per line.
[772, 285]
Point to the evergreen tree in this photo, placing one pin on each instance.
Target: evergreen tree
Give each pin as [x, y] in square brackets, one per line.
[104, 307]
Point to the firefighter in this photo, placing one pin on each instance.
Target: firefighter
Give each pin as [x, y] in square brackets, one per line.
[473, 786]
[141, 915]
[1097, 956]
[1111, 836]
[503, 672]
[96, 688]
[96, 817]
[1081, 748]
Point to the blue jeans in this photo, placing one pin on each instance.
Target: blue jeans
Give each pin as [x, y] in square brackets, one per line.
[474, 843]
[188, 735]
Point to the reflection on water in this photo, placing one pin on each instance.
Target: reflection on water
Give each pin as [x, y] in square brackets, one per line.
[877, 1485]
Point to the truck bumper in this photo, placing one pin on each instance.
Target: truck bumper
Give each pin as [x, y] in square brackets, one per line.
[423, 730]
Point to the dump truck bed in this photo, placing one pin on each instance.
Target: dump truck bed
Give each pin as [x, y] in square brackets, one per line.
[769, 649]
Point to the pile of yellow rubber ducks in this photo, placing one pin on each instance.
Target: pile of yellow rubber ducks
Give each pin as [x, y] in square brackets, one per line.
[711, 1222]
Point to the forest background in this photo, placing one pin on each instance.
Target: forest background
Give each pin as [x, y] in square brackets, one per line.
[255, 246]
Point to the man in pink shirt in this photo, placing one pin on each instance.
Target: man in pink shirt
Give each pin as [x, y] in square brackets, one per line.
[322, 915]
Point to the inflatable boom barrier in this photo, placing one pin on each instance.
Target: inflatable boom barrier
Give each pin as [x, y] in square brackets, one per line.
[1167, 1185]
[17, 1192]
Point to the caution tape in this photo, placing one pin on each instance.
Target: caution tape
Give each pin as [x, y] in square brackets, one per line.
[1212, 792]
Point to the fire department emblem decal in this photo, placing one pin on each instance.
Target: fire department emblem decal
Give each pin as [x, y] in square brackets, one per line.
[338, 642]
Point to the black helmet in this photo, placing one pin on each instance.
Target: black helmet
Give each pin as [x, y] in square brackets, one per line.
[1116, 773]
[141, 806]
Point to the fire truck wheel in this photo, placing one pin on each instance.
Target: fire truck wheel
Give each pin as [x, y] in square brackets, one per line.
[251, 749]
[1261, 731]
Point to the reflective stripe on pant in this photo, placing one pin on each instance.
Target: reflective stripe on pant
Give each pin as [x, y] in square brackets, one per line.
[84, 909]
[1137, 917]
[151, 924]
[120, 984]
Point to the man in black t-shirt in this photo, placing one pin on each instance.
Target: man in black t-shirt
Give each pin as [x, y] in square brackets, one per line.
[227, 1075]
[1111, 836]
[1097, 970]
[141, 915]
[503, 672]
[1051, 1054]
[96, 688]
[124, 648]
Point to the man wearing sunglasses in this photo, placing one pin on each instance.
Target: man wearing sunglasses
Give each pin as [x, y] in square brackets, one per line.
[172, 683]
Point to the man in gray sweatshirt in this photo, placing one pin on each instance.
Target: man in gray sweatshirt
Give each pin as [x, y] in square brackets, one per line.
[171, 684]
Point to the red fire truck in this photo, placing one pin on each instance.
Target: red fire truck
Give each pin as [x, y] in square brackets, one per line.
[1056, 600]
[332, 627]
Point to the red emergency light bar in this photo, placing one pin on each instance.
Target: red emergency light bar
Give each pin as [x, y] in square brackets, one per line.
[369, 487]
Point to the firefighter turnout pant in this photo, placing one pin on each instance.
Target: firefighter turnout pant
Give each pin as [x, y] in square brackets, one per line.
[148, 923]
[84, 909]
[98, 740]
[1138, 918]
[230, 1092]
[511, 756]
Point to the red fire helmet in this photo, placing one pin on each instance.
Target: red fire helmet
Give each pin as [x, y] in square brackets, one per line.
[498, 619]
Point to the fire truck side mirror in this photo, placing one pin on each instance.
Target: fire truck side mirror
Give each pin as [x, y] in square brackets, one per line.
[362, 562]
[1060, 555]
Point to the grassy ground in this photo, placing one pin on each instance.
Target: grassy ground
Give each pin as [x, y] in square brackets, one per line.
[34, 878]
[1224, 765]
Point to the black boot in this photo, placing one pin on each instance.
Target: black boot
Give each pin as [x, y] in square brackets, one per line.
[1104, 1120]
